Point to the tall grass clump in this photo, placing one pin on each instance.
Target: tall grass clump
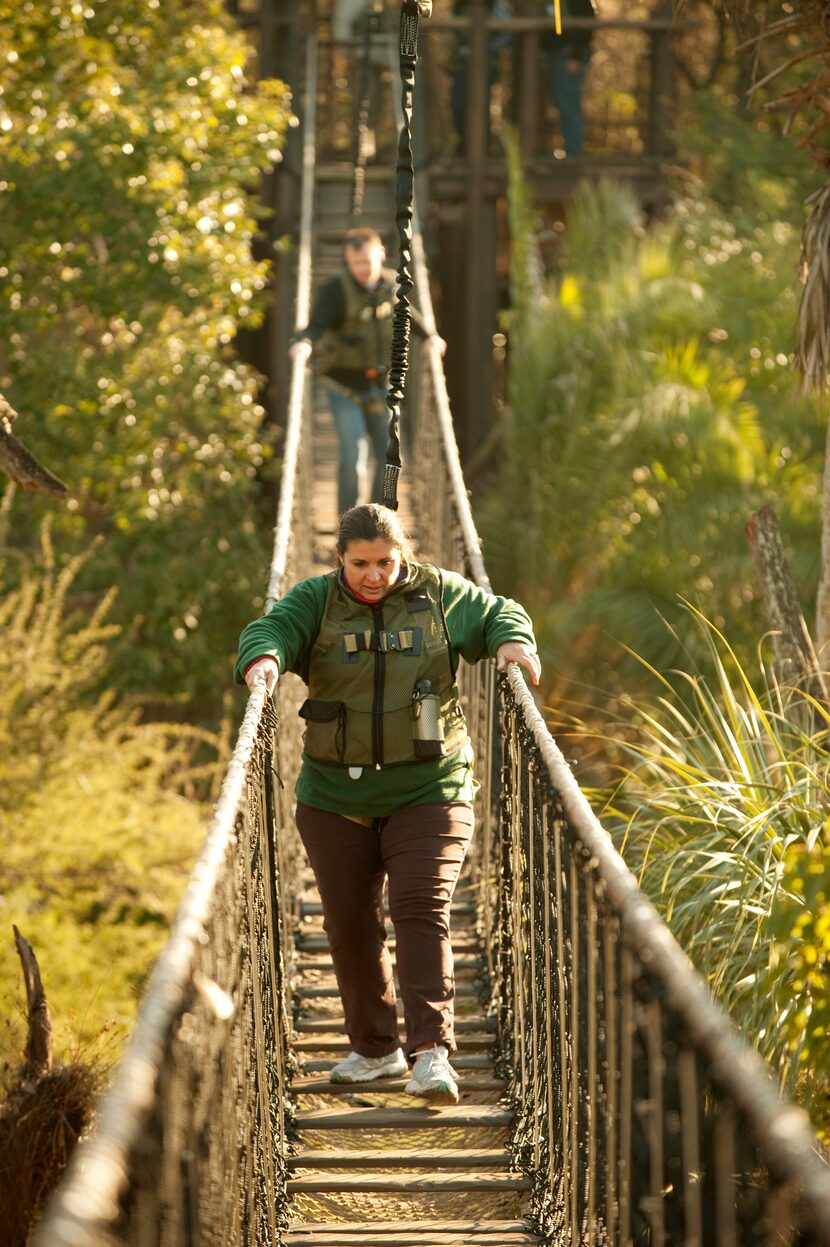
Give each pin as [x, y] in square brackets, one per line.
[101, 812]
[721, 809]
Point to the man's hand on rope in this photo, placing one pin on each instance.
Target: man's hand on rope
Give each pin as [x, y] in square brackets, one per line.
[518, 651]
[437, 344]
[268, 668]
[300, 350]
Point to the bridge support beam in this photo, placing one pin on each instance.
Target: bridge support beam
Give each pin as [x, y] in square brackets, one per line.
[277, 33]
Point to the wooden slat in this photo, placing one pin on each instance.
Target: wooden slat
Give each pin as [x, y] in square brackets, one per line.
[414, 1233]
[324, 1086]
[462, 1060]
[310, 908]
[304, 962]
[330, 991]
[407, 1183]
[424, 1158]
[314, 942]
[415, 1118]
[325, 1044]
[329, 1025]
[426, 1238]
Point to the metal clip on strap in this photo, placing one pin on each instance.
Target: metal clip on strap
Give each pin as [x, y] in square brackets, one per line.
[418, 8]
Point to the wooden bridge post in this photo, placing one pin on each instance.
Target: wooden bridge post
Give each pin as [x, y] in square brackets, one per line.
[529, 96]
[288, 21]
[479, 245]
[277, 35]
[661, 84]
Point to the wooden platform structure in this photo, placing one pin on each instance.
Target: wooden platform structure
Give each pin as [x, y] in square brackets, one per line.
[630, 99]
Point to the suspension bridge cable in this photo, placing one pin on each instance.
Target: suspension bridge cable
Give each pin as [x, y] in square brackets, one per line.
[299, 366]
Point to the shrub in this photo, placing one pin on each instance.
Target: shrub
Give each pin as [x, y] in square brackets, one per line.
[720, 808]
[133, 143]
[101, 814]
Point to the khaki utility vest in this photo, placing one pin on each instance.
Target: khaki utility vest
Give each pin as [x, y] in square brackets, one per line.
[362, 673]
[364, 341]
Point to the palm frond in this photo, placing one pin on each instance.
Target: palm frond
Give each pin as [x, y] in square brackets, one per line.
[804, 37]
[720, 784]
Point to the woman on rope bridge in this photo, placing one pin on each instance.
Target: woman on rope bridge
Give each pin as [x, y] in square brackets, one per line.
[386, 783]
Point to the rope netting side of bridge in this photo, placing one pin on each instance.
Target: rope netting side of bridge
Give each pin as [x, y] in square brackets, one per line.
[642, 1115]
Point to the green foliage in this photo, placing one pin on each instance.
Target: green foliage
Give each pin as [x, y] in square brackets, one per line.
[100, 819]
[720, 809]
[745, 167]
[652, 409]
[800, 926]
[132, 145]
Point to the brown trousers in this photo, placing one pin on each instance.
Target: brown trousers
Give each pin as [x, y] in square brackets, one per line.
[420, 850]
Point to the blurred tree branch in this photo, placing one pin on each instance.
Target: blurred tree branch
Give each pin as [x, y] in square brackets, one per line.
[19, 463]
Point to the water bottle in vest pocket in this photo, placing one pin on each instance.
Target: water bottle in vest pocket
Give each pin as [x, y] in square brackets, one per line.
[427, 728]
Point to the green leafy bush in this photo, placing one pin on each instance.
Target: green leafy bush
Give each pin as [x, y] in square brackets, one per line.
[800, 927]
[652, 409]
[132, 145]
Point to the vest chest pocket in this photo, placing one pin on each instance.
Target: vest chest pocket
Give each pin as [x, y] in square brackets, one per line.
[325, 735]
[407, 641]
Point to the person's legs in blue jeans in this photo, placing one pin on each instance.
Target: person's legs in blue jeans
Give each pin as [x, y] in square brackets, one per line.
[349, 421]
[565, 77]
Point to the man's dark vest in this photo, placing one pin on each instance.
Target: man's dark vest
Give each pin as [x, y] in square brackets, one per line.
[362, 673]
[364, 341]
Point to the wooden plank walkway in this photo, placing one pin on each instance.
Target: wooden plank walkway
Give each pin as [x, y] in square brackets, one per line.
[373, 1167]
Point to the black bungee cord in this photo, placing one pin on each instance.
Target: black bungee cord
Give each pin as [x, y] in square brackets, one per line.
[411, 10]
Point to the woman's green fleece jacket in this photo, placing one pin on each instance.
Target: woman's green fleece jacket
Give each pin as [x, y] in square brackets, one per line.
[477, 623]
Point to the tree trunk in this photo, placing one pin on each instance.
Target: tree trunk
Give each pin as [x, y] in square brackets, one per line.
[796, 664]
[39, 1043]
[19, 463]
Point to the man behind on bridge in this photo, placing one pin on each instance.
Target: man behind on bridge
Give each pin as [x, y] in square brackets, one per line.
[350, 334]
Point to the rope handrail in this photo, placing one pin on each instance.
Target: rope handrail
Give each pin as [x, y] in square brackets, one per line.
[461, 499]
[299, 366]
[789, 1145]
[89, 1198]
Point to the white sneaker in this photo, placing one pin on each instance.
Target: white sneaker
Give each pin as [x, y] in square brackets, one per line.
[433, 1077]
[357, 1068]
